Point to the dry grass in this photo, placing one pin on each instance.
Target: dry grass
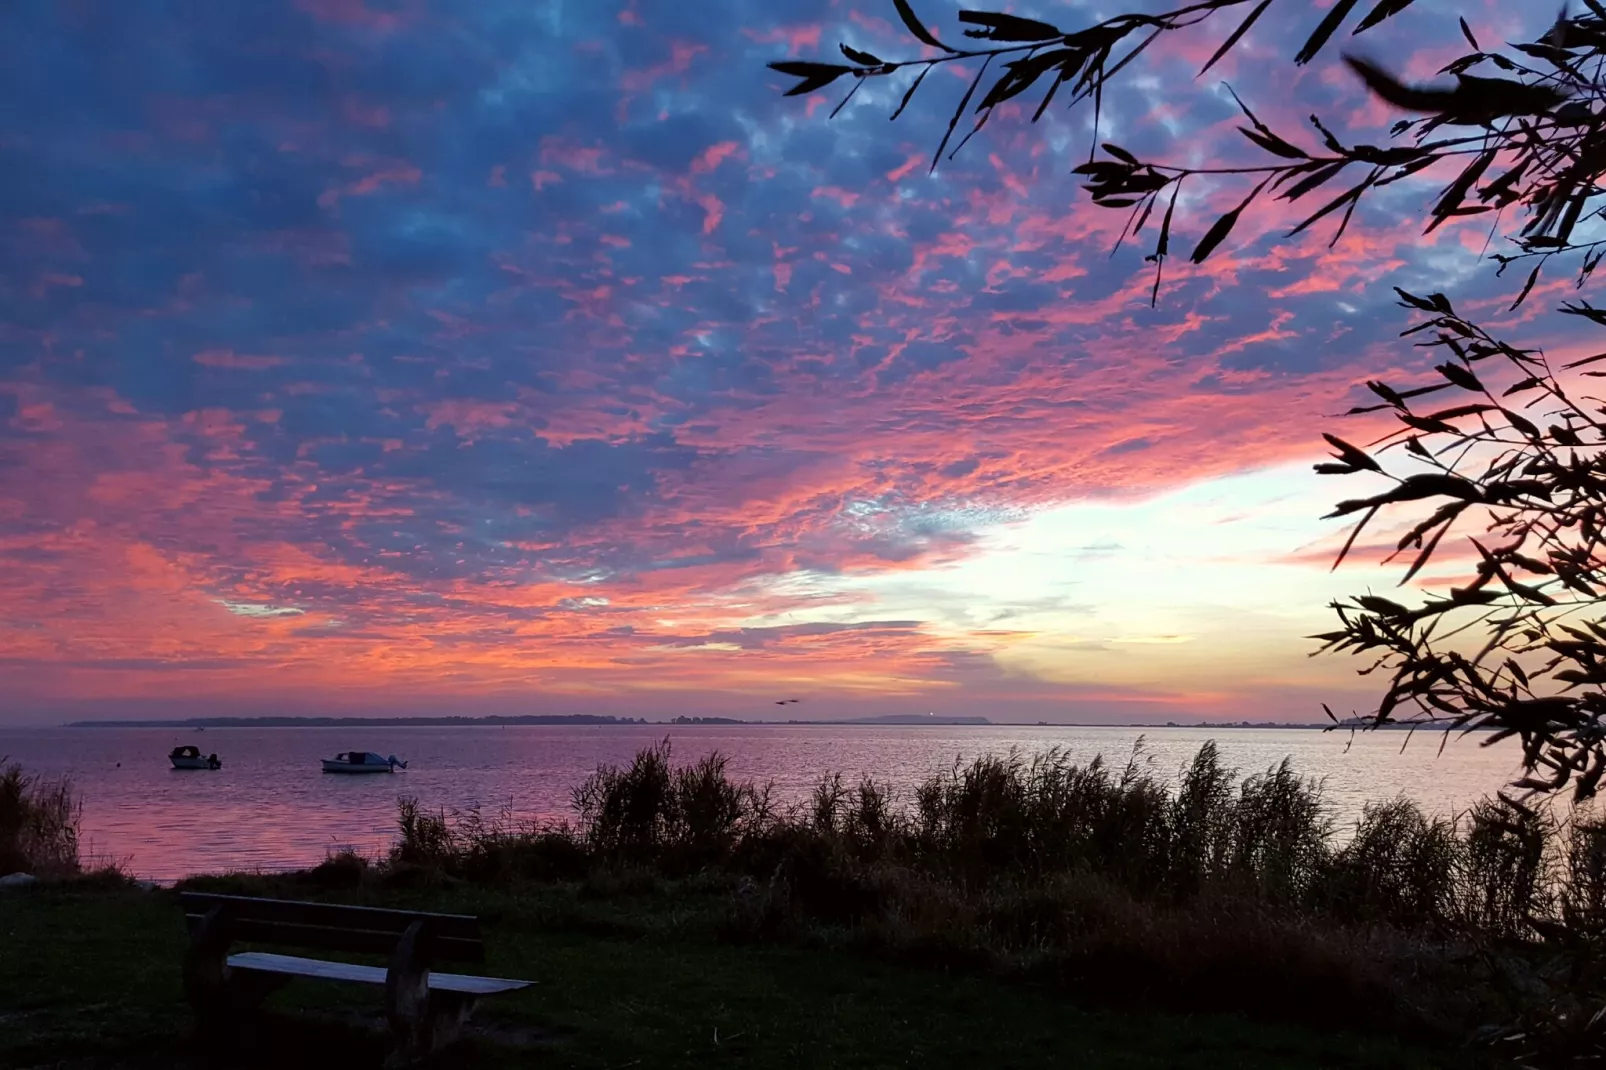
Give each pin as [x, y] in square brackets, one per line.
[39, 821]
[1221, 892]
[1266, 839]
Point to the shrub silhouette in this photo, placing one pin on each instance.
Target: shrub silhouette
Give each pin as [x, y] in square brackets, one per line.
[39, 823]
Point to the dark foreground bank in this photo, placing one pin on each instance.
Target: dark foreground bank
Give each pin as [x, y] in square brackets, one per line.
[632, 973]
[1081, 911]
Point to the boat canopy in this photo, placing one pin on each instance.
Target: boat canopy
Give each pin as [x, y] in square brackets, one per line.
[185, 752]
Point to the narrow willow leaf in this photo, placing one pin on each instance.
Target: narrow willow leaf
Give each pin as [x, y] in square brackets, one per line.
[1002, 27]
[1527, 287]
[907, 14]
[1353, 535]
[1331, 206]
[1221, 228]
[1236, 35]
[1313, 180]
[1384, 9]
[909, 93]
[1274, 144]
[1163, 245]
[864, 59]
[963, 104]
[1324, 30]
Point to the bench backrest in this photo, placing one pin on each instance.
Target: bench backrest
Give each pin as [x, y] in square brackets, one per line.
[333, 927]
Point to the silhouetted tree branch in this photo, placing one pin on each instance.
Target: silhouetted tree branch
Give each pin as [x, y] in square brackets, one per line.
[1517, 647]
[1529, 476]
[1537, 123]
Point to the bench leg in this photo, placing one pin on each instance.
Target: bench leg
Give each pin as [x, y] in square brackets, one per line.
[407, 997]
[206, 970]
[422, 1019]
[439, 1023]
[448, 1013]
[219, 993]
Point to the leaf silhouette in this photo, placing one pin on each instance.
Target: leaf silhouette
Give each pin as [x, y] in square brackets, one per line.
[1325, 29]
[1236, 35]
[1384, 9]
[998, 26]
[866, 59]
[1274, 144]
[1414, 301]
[1354, 534]
[1221, 228]
[963, 104]
[1314, 179]
[1457, 190]
[1527, 287]
[1351, 455]
[1163, 245]
[909, 93]
[1460, 377]
[1022, 74]
[1349, 197]
[814, 75]
[907, 14]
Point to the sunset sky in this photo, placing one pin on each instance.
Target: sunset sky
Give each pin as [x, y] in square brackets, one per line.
[400, 356]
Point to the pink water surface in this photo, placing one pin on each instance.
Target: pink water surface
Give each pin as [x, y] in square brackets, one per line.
[270, 806]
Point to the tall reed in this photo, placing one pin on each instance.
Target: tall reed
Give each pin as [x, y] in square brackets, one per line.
[39, 824]
[1219, 891]
[1012, 822]
[650, 811]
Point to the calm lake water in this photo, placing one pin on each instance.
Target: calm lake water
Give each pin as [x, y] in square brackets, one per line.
[271, 807]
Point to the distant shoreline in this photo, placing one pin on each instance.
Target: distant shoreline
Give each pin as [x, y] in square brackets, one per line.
[357, 722]
[890, 721]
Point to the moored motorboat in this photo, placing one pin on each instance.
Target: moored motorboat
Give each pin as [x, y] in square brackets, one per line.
[362, 761]
[192, 758]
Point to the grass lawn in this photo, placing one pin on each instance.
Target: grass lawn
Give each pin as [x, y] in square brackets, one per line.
[90, 978]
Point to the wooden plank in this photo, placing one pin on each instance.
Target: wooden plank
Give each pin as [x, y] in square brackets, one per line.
[329, 938]
[262, 962]
[474, 986]
[333, 915]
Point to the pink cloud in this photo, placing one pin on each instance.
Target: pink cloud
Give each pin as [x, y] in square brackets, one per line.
[227, 358]
[355, 13]
[714, 155]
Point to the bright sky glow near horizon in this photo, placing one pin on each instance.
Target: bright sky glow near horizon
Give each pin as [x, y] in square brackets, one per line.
[402, 356]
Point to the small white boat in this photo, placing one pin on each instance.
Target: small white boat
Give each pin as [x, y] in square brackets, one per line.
[362, 761]
[192, 758]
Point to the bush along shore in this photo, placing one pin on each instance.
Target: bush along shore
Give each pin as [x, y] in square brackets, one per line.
[39, 821]
[1219, 893]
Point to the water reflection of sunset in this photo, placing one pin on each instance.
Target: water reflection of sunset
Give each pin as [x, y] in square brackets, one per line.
[270, 806]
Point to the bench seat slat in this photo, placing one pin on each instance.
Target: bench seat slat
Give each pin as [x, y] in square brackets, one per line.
[327, 938]
[262, 962]
[333, 915]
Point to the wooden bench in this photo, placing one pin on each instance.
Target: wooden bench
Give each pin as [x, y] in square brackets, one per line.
[426, 1009]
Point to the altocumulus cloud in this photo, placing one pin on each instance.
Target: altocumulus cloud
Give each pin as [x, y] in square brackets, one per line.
[540, 355]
